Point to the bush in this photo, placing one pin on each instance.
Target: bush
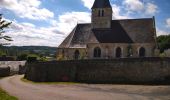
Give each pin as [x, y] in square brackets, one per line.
[31, 59]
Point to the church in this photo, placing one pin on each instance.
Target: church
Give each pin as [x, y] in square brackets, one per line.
[105, 38]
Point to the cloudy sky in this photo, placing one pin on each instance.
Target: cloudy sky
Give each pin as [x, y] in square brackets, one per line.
[48, 22]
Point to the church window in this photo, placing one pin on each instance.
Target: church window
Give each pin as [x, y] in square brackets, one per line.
[76, 55]
[63, 53]
[99, 13]
[97, 52]
[102, 13]
[142, 52]
[118, 52]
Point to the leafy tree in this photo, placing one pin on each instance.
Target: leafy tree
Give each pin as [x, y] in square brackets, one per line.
[163, 42]
[22, 57]
[4, 24]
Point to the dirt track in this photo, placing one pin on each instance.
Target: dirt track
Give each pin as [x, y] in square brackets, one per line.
[26, 91]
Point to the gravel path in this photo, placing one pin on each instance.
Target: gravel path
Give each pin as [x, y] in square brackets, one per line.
[26, 91]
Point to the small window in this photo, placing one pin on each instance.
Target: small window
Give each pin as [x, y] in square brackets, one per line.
[97, 52]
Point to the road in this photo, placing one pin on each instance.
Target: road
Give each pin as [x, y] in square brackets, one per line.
[27, 91]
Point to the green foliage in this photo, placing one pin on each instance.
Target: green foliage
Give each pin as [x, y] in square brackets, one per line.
[162, 55]
[43, 59]
[31, 59]
[6, 96]
[4, 24]
[22, 57]
[21, 53]
[60, 57]
[163, 42]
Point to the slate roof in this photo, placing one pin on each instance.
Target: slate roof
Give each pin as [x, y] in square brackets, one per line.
[78, 37]
[121, 31]
[101, 4]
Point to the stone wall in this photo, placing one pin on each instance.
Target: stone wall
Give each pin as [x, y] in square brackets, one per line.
[11, 67]
[5, 71]
[134, 70]
[167, 53]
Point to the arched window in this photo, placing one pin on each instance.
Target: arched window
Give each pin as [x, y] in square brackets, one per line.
[118, 52]
[63, 53]
[98, 13]
[97, 52]
[102, 13]
[76, 55]
[142, 52]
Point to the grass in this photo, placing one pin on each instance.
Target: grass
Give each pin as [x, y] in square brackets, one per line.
[5, 96]
[65, 83]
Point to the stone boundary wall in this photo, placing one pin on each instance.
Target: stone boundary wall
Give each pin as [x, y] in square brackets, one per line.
[125, 71]
[4, 72]
[8, 68]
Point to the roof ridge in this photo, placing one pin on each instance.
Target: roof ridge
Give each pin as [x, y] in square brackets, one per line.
[83, 23]
[132, 19]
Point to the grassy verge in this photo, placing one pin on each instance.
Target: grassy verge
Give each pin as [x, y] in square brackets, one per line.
[5, 96]
[65, 83]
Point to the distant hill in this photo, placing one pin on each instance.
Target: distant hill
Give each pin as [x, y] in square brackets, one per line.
[17, 50]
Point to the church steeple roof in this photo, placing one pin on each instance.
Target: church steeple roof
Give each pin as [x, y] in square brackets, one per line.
[101, 4]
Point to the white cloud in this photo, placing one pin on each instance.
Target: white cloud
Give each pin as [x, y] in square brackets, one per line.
[28, 24]
[88, 3]
[27, 9]
[68, 20]
[151, 9]
[117, 11]
[168, 23]
[133, 5]
[162, 32]
[148, 8]
[28, 34]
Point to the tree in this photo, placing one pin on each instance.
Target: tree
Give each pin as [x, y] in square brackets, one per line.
[4, 24]
[22, 57]
[163, 42]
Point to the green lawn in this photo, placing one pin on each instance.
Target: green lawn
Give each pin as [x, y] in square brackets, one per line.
[6, 96]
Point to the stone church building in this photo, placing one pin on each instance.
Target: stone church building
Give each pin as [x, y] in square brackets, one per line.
[105, 38]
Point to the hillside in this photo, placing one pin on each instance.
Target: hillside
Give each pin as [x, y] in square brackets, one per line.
[17, 50]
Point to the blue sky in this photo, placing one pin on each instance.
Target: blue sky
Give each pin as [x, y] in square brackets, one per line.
[48, 22]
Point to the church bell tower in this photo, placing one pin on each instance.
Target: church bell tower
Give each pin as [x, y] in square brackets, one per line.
[101, 14]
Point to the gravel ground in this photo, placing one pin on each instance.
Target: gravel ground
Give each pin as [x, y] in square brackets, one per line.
[27, 91]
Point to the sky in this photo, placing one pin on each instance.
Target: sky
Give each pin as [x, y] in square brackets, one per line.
[48, 22]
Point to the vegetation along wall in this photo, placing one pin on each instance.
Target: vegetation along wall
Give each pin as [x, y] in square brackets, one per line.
[126, 71]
